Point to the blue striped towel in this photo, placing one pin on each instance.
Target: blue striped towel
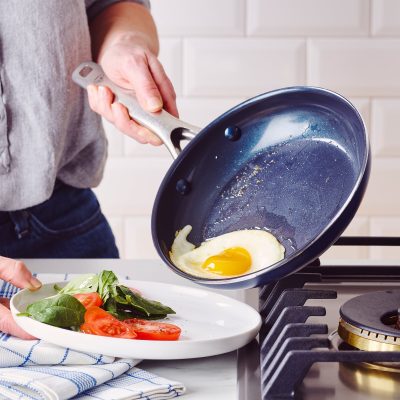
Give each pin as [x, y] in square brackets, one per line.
[36, 370]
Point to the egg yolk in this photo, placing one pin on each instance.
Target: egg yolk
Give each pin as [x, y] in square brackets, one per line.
[232, 261]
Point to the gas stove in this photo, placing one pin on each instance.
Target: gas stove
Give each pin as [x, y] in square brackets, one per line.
[328, 332]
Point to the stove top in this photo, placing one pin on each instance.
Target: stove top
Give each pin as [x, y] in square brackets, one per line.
[320, 340]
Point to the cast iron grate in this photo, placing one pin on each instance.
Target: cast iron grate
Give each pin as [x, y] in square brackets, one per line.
[287, 342]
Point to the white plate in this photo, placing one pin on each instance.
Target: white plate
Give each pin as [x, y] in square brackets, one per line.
[211, 324]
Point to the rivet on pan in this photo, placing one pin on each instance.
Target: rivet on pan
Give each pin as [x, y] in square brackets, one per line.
[183, 186]
[232, 133]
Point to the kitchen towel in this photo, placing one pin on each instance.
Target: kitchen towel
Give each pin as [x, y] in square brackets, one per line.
[36, 370]
[15, 352]
[117, 381]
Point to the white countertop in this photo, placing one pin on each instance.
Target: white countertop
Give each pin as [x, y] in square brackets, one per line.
[204, 378]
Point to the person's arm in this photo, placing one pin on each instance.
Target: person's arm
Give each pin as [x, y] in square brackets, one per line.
[125, 44]
[123, 19]
[16, 273]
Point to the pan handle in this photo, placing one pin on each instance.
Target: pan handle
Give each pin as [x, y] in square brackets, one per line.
[169, 129]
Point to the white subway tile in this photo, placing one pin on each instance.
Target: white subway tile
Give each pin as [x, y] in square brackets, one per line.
[307, 17]
[359, 226]
[134, 149]
[385, 17]
[382, 197]
[138, 241]
[355, 67]
[201, 111]
[130, 185]
[171, 58]
[385, 138]
[194, 17]
[115, 139]
[241, 67]
[117, 226]
[213, 68]
[385, 227]
[120, 144]
[363, 106]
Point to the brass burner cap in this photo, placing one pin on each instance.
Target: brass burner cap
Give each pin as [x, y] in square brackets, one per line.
[369, 340]
[368, 321]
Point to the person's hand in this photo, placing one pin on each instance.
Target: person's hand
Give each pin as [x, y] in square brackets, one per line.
[16, 273]
[129, 63]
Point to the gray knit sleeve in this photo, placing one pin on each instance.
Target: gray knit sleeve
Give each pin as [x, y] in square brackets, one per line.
[94, 7]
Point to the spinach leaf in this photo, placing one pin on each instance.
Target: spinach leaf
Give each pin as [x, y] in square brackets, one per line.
[111, 306]
[82, 284]
[107, 283]
[57, 288]
[61, 310]
[124, 303]
[143, 305]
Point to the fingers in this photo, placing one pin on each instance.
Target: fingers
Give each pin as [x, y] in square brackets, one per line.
[5, 302]
[153, 88]
[17, 273]
[164, 85]
[126, 125]
[138, 74]
[8, 325]
[101, 101]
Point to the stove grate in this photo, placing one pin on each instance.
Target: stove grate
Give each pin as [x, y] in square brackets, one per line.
[288, 347]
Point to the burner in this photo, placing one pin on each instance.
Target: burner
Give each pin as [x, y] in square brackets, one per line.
[339, 344]
[368, 322]
[380, 384]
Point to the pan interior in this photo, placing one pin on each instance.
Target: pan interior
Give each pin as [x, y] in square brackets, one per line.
[293, 169]
[293, 191]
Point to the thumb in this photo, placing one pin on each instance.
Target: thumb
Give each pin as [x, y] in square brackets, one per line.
[8, 325]
[18, 274]
[145, 87]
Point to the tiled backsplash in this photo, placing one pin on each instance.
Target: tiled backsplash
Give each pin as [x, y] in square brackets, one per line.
[220, 52]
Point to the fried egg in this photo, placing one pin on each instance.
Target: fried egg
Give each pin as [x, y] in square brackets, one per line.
[231, 254]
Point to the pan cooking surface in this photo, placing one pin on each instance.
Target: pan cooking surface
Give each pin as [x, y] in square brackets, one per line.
[284, 191]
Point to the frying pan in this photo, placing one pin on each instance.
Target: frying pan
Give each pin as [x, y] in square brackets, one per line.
[294, 162]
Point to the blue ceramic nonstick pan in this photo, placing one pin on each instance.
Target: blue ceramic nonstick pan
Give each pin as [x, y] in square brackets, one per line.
[293, 161]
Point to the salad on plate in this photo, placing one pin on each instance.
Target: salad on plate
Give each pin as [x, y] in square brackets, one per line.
[98, 304]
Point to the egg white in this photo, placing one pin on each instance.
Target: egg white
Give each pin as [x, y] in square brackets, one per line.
[263, 247]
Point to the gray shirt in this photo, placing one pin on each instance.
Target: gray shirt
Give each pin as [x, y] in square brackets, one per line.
[47, 129]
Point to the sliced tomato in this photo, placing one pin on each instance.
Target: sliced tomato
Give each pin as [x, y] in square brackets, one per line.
[153, 330]
[93, 313]
[85, 328]
[89, 299]
[100, 322]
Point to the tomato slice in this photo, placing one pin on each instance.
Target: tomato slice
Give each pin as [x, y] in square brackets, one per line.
[89, 299]
[85, 328]
[100, 322]
[94, 313]
[153, 330]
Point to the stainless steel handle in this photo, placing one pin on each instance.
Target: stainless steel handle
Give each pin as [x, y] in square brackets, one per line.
[169, 129]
